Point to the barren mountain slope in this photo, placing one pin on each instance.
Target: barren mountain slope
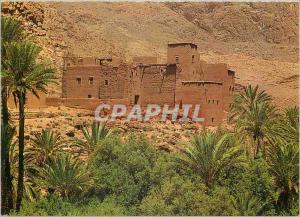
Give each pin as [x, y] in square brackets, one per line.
[259, 41]
[274, 23]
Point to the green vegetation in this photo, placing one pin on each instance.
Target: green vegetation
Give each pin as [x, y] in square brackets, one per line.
[11, 31]
[251, 170]
[22, 73]
[91, 139]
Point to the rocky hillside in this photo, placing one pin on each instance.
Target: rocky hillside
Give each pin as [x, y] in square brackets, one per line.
[257, 40]
[241, 22]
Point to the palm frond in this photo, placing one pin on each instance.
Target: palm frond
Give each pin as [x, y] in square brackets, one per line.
[65, 175]
[210, 154]
[92, 137]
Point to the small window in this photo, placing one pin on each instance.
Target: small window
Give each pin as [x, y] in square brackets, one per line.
[91, 80]
[208, 101]
[106, 82]
[89, 96]
[177, 59]
[68, 64]
[213, 101]
[217, 102]
[193, 58]
[212, 120]
[78, 81]
[136, 99]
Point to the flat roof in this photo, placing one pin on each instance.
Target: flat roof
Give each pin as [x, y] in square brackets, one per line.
[182, 43]
[156, 64]
[201, 82]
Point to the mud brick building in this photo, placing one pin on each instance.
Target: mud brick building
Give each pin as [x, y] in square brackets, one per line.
[184, 79]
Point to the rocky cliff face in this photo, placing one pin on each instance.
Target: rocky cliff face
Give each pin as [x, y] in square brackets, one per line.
[257, 40]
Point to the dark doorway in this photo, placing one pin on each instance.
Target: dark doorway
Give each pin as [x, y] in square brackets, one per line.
[136, 99]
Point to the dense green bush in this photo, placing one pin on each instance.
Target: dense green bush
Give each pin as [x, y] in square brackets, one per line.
[51, 205]
[124, 169]
[179, 195]
[96, 207]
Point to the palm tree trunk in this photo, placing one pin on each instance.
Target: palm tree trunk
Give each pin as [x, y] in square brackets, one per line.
[5, 113]
[257, 148]
[20, 186]
[6, 178]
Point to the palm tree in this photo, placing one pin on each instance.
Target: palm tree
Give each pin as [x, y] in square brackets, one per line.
[287, 126]
[45, 146]
[30, 190]
[257, 122]
[7, 134]
[64, 175]
[26, 75]
[92, 139]
[11, 31]
[210, 154]
[246, 204]
[253, 115]
[246, 100]
[283, 160]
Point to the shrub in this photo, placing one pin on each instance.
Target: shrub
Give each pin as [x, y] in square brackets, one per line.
[123, 169]
[179, 195]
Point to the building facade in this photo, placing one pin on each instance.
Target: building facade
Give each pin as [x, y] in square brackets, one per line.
[184, 79]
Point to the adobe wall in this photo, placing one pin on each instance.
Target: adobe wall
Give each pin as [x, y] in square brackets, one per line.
[54, 101]
[72, 88]
[187, 58]
[70, 61]
[32, 102]
[144, 60]
[114, 82]
[220, 72]
[207, 95]
[95, 81]
[135, 83]
[156, 84]
[90, 104]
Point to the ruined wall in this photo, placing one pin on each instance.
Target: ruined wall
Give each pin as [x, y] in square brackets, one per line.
[90, 104]
[144, 60]
[135, 86]
[156, 84]
[114, 82]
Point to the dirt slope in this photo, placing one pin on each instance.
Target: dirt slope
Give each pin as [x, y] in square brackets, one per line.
[258, 40]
